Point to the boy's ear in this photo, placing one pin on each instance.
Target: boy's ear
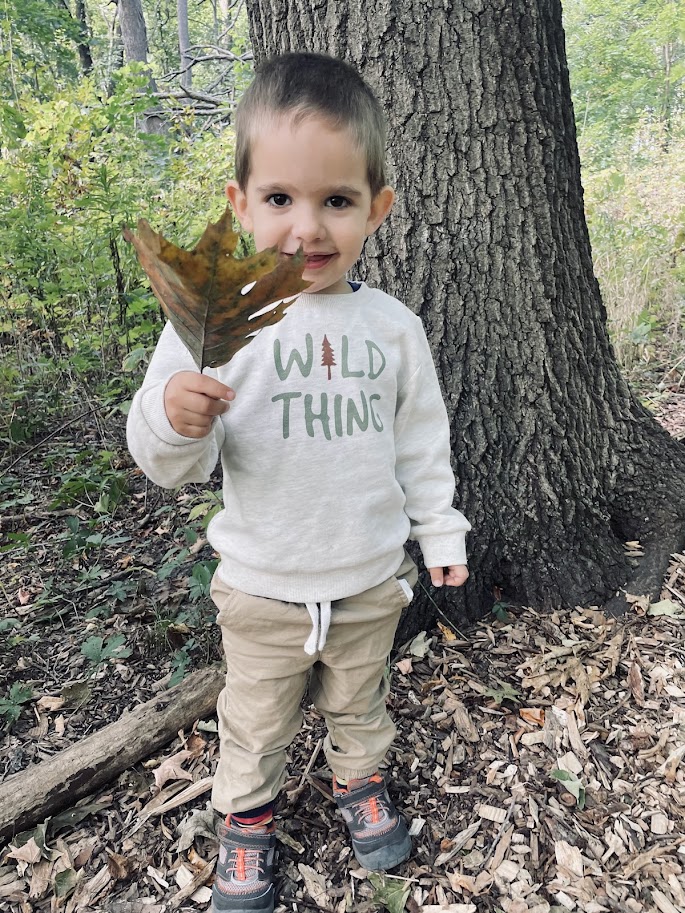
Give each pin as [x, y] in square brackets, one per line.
[380, 207]
[238, 202]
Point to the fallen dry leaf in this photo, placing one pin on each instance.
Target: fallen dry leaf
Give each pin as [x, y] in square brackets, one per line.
[316, 885]
[534, 715]
[636, 684]
[201, 290]
[170, 769]
[29, 852]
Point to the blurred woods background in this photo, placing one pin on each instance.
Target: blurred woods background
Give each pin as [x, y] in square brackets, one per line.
[112, 111]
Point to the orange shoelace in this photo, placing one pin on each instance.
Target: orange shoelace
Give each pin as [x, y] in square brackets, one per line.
[245, 861]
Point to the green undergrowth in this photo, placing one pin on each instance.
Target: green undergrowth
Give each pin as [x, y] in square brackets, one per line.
[77, 317]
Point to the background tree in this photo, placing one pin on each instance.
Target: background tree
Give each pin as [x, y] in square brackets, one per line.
[184, 44]
[558, 464]
[84, 43]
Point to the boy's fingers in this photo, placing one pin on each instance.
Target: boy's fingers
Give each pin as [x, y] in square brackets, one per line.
[454, 575]
[437, 575]
[208, 386]
[457, 574]
[202, 404]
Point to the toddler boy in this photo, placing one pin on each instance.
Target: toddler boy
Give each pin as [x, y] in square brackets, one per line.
[334, 452]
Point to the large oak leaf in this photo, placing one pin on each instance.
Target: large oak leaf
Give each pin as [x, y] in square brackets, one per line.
[201, 290]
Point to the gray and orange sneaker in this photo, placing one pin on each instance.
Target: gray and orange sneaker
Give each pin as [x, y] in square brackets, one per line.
[380, 839]
[244, 870]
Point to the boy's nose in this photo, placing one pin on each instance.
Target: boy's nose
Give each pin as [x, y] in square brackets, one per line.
[307, 225]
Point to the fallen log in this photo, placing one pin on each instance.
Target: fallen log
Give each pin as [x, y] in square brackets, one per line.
[32, 795]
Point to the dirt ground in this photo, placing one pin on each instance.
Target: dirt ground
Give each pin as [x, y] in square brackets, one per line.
[539, 758]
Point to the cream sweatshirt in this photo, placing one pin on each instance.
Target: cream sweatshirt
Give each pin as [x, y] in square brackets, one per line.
[334, 452]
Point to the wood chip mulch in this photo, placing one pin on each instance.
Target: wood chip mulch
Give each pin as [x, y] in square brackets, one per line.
[539, 762]
[539, 757]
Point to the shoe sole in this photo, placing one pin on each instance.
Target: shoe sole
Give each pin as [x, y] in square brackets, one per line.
[385, 858]
[231, 907]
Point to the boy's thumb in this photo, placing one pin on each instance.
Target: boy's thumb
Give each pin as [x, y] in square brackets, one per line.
[437, 576]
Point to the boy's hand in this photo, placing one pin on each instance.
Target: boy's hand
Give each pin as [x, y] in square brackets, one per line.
[454, 575]
[192, 401]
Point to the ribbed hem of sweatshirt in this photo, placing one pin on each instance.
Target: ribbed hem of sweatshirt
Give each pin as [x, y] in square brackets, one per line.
[443, 551]
[327, 585]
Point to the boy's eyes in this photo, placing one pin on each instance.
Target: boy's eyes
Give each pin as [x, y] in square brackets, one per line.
[280, 200]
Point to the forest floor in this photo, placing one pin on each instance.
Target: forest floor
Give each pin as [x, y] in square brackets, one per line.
[539, 759]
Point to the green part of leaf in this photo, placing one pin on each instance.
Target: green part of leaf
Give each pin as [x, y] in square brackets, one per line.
[92, 649]
[390, 892]
[500, 612]
[11, 712]
[20, 693]
[666, 607]
[73, 816]
[571, 784]
[505, 692]
[65, 882]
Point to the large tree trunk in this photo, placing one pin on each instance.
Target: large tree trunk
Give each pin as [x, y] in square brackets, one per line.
[557, 463]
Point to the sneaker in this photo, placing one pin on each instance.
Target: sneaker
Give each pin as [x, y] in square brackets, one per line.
[380, 839]
[244, 870]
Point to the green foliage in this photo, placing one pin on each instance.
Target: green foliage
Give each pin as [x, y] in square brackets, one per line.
[97, 651]
[11, 706]
[635, 214]
[390, 891]
[74, 303]
[180, 662]
[36, 51]
[96, 487]
[627, 64]
[201, 579]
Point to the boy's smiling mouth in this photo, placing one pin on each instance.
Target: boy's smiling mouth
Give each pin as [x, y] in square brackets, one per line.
[314, 261]
[317, 261]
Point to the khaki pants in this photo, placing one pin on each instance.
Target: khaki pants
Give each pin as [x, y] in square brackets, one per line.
[268, 673]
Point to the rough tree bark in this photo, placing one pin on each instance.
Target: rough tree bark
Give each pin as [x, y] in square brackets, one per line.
[134, 39]
[557, 462]
[133, 30]
[184, 43]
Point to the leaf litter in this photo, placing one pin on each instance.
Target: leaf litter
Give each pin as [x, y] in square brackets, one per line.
[495, 773]
[501, 729]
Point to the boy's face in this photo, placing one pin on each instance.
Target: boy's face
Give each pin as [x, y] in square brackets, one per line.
[308, 188]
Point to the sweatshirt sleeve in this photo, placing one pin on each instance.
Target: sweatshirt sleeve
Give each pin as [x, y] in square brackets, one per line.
[422, 443]
[166, 457]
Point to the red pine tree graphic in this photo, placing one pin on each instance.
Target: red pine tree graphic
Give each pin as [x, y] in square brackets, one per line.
[328, 358]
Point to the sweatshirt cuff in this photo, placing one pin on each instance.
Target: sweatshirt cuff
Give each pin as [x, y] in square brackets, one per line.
[443, 551]
[154, 413]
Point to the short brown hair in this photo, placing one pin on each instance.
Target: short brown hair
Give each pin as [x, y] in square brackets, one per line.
[313, 84]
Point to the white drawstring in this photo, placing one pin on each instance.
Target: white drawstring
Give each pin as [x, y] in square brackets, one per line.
[320, 614]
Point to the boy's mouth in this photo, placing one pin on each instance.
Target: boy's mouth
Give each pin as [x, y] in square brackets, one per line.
[316, 261]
